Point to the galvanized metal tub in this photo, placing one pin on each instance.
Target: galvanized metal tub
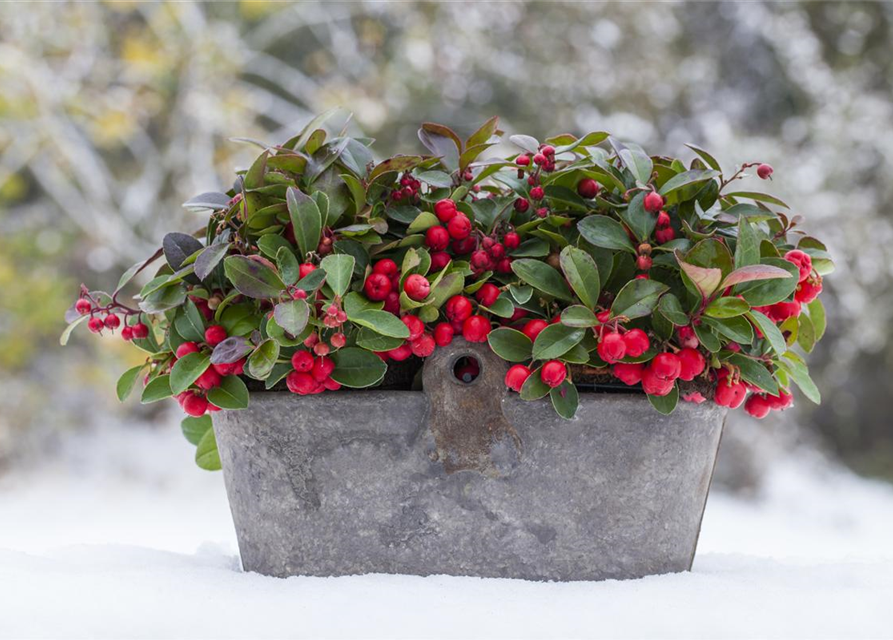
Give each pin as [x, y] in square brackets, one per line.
[465, 479]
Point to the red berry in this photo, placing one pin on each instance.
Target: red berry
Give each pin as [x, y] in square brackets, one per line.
[459, 227]
[587, 188]
[480, 260]
[537, 193]
[655, 386]
[423, 346]
[140, 331]
[385, 266]
[542, 212]
[547, 150]
[664, 235]
[780, 402]
[417, 287]
[331, 385]
[653, 202]
[230, 368]
[299, 294]
[695, 396]
[439, 260]
[305, 269]
[463, 246]
[487, 294]
[612, 348]
[511, 240]
[214, 335]
[445, 210]
[392, 303]
[764, 171]
[729, 394]
[663, 220]
[112, 321]
[186, 348]
[195, 405]
[443, 334]
[127, 334]
[516, 377]
[377, 286]
[401, 353]
[504, 266]
[83, 306]
[666, 366]
[416, 327]
[522, 160]
[497, 251]
[802, 261]
[603, 316]
[553, 373]
[522, 205]
[643, 263]
[458, 309]
[628, 373]
[322, 368]
[209, 379]
[338, 340]
[809, 289]
[300, 383]
[636, 342]
[781, 311]
[302, 361]
[321, 349]
[437, 238]
[533, 328]
[757, 406]
[692, 363]
[476, 329]
[686, 337]
[540, 158]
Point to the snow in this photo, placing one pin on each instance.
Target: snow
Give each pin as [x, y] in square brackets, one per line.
[120, 536]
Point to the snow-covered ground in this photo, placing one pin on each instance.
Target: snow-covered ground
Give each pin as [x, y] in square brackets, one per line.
[120, 536]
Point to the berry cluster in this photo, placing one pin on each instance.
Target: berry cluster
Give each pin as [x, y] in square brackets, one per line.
[109, 316]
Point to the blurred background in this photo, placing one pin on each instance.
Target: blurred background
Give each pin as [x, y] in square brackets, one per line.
[113, 114]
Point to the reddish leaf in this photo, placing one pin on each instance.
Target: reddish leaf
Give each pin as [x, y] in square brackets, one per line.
[754, 272]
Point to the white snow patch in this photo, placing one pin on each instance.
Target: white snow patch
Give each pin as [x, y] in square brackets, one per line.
[120, 537]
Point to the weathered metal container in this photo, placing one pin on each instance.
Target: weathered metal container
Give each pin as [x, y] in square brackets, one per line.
[466, 479]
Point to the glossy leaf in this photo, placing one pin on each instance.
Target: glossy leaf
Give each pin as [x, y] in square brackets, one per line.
[543, 277]
[306, 220]
[638, 298]
[231, 394]
[605, 232]
[186, 370]
[510, 344]
[339, 269]
[556, 339]
[357, 368]
[565, 399]
[582, 274]
[253, 278]
[127, 382]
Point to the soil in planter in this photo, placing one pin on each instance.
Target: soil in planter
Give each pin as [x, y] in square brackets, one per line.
[407, 376]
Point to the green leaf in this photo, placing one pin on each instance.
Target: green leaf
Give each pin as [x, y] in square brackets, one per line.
[671, 309]
[760, 294]
[252, 278]
[580, 270]
[747, 249]
[338, 268]
[579, 316]
[254, 177]
[442, 142]
[510, 344]
[372, 341]
[187, 369]
[532, 248]
[63, 339]
[555, 340]
[769, 330]
[206, 455]
[754, 372]
[503, 307]
[635, 160]
[641, 222]
[422, 222]
[686, 178]
[179, 246]
[665, 404]
[127, 382]
[759, 197]
[194, 428]
[737, 329]
[357, 368]
[209, 258]
[292, 315]
[190, 323]
[796, 368]
[270, 245]
[288, 265]
[534, 388]
[708, 339]
[638, 298]
[806, 333]
[542, 277]
[261, 362]
[164, 299]
[753, 273]
[565, 399]
[816, 312]
[528, 143]
[705, 280]
[435, 178]
[606, 233]
[393, 165]
[231, 394]
[727, 307]
[158, 389]
[708, 159]
[383, 322]
[306, 220]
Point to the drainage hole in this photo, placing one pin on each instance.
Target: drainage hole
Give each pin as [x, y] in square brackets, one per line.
[467, 369]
